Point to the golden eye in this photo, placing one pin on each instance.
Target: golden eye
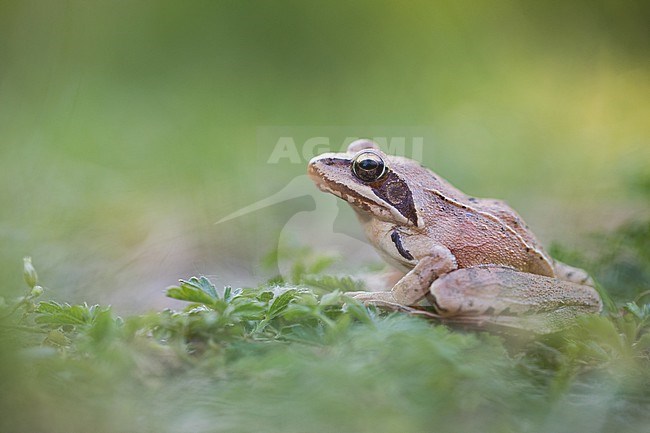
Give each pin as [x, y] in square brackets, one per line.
[368, 166]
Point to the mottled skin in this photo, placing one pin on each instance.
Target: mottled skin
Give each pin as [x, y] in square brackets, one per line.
[474, 260]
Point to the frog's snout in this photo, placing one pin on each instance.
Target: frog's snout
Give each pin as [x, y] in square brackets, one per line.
[312, 168]
[315, 171]
[319, 166]
[327, 171]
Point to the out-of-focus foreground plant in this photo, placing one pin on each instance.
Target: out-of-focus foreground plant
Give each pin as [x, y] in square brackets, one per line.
[301, 356]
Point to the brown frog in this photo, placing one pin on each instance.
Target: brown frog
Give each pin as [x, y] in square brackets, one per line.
[471, 260]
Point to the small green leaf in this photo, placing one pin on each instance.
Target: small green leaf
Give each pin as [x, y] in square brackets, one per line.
[207, 287]
[189, 293]
[104, 326]
[265, 296]
[331, 298]
[281, 302]
[357, 310]
[250, 310]
[227, 293]
[53, 313]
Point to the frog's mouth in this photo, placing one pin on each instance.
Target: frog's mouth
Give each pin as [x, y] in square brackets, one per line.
[324, 171]
[332, 174]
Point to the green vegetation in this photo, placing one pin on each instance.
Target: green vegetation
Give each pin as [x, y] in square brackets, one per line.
[299, 357]
[128, 128]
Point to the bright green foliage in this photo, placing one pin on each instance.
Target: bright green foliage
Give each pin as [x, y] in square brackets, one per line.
[263, 314]
[81, 316]
[305, 357]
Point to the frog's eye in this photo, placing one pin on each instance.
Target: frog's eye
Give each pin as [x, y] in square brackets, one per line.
[368, 166]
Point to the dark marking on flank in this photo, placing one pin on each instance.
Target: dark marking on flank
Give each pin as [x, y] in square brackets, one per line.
[398, 244]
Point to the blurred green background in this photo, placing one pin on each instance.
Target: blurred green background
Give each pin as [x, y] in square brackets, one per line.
[128, 128]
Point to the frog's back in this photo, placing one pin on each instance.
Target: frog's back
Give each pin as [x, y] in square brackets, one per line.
[484, 231]
[508, 216]
[477, 231]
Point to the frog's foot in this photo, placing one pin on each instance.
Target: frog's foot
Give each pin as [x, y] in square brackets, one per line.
[386, 301]
[414, 286]
[380, 299]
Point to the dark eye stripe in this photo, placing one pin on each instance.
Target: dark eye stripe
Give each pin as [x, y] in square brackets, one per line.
[396, 192]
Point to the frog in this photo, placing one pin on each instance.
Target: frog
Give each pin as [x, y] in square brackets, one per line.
[458, 258]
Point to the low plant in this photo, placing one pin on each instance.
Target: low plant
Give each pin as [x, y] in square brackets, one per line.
[300, 355]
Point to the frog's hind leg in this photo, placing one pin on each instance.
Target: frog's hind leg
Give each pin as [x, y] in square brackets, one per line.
[494, 295]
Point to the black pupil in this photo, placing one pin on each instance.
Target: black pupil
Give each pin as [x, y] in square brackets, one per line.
[368, 164]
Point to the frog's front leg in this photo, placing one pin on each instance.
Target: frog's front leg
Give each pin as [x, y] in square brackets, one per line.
[504, 297]
[413, 286]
